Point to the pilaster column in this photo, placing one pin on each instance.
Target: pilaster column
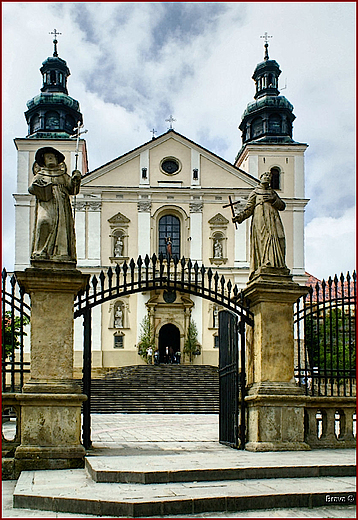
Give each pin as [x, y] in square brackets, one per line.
[196, 221]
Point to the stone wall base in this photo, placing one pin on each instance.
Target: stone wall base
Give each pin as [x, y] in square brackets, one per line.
[275, 422]
[54, 457]
[50, 431]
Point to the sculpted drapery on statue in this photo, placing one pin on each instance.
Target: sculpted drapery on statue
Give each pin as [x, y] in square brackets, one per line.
[54, 234]
[267, 237]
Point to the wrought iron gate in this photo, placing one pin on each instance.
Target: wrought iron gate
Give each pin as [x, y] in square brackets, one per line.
[152, 274]
[232, 380]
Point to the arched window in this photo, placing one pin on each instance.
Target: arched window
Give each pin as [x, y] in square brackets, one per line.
[52, 121]
[169, 226]
[275, 178]
[275, 124]
[35, 123]
[257, 127]
[53, 77]
[69, 123]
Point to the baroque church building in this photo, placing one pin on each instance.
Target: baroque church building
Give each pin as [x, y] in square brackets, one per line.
[169, 189]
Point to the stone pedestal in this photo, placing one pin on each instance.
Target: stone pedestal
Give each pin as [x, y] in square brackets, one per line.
[51, 400]
[275, 403]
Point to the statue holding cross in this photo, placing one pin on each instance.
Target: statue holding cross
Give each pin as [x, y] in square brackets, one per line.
[54, 234]
[267, 237]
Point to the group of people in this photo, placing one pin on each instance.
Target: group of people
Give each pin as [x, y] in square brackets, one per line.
[170, 357]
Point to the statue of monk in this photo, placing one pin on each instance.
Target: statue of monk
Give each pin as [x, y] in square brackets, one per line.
[267, 237]
[54, 234]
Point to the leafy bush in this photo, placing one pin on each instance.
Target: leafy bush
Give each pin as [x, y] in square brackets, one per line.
[191, 345]
[7, 333]
[146, 338]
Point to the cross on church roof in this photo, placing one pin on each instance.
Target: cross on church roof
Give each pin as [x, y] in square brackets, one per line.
[153, 132]
[171, 121]
[55, 42]
[266, 36]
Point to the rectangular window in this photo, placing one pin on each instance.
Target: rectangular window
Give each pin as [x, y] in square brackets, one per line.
[195, 174]
[144, 173]
[118, 342]
[216, 341]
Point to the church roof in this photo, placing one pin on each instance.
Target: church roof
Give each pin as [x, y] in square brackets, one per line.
[163, 137]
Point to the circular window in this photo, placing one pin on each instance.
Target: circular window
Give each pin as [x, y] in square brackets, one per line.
[170, 166]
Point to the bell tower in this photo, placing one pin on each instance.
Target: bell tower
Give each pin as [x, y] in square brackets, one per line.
[52, 118]
[268, 145]
[53, 114]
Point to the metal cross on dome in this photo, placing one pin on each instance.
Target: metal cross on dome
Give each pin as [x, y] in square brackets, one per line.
[55, 42]
[266, 36]
[170, 121]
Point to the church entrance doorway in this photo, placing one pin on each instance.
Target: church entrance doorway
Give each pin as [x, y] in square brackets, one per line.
[169, 344]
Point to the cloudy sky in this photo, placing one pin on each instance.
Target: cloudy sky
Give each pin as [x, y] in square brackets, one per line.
[135, 63]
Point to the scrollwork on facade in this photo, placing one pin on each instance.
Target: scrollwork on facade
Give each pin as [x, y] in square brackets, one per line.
[144, 205]
[196, 207]
[80, 205]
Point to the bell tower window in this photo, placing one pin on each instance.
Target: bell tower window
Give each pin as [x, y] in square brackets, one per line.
[275, 124]
[275, 178]
[52, 121]
[257, 127]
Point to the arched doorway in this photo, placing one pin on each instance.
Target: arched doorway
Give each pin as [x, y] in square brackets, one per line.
[169, 336]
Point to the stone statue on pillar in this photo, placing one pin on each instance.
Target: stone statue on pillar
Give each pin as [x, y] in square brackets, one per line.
[54, 234]
[275, 404]
[267, 237]
[51, 399]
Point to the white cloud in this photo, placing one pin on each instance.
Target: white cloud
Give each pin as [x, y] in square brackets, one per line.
[330, 245]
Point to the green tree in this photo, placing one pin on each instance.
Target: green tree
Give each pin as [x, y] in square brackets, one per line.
[146, 338]
[327, 341]
[191, 345]
[12, 328]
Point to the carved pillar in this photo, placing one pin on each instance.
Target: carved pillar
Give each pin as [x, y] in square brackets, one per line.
[275, 402]
[51, 400]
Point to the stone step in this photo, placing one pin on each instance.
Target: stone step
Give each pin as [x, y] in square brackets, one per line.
[182, 468]
[74, 491]
[157, 389]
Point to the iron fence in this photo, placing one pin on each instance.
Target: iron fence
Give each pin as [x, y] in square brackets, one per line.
[15, 315]
[325, 332]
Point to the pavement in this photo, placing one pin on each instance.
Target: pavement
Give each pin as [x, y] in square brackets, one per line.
[146, 443]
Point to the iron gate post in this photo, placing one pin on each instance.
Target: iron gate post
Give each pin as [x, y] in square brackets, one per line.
[228, 379]
[87, 357]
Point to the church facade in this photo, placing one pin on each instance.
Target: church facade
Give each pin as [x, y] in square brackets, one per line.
[165, 196]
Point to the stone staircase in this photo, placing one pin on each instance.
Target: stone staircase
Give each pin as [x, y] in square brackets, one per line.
[157, 389]
[192, 483]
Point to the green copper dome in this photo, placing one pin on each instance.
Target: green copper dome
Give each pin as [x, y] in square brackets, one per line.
[53, 113]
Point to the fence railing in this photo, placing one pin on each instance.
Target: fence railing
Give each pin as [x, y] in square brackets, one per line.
[325, 332]
[15, 315]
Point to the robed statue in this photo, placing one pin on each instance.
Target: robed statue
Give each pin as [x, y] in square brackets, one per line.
[54, 233]
[267, 237]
